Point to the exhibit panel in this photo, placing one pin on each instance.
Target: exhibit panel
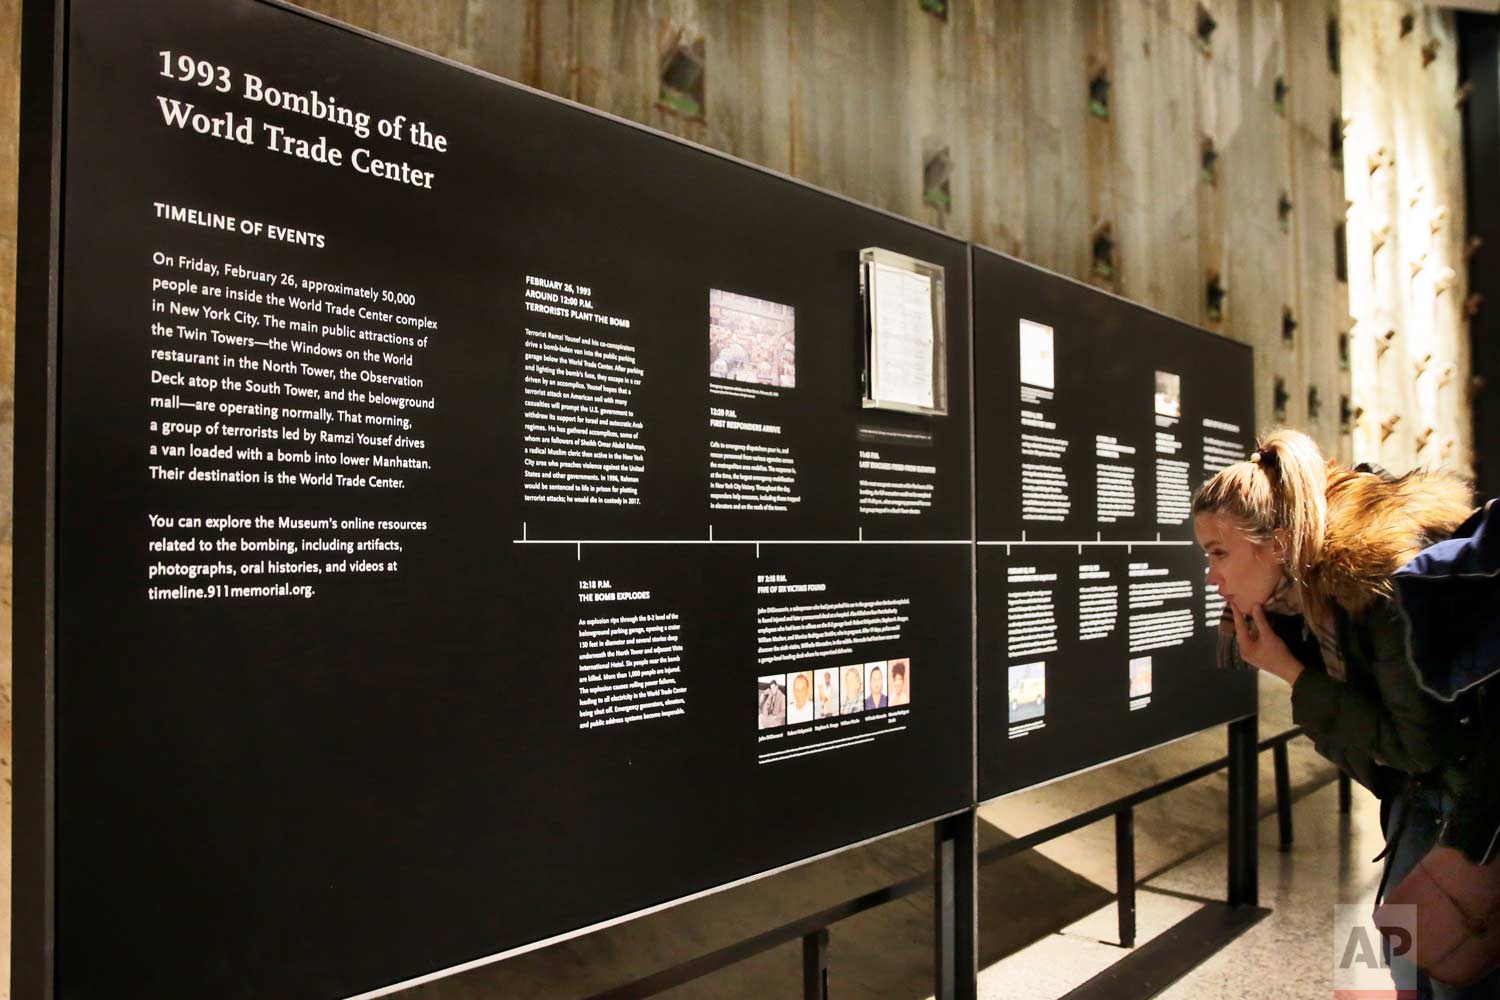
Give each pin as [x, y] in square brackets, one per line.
[479, 518]
[1094, 420]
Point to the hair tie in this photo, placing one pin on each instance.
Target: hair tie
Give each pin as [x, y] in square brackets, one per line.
[1255, 457]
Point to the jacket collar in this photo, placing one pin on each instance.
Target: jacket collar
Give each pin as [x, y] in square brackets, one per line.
[1375, 525]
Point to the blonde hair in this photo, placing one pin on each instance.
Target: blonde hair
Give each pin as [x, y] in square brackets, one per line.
[1282, 490]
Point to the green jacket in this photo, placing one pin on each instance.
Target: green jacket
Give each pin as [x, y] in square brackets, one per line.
[1378, 720]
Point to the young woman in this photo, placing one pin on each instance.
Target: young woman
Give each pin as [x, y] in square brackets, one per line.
[1302, 552]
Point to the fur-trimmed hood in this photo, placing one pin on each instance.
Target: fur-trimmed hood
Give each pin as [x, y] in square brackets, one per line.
[1376, 525]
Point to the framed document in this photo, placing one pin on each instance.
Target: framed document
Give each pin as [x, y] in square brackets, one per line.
[906, 354]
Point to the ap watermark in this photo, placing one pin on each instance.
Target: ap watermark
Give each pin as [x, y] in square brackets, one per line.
[1369, 965]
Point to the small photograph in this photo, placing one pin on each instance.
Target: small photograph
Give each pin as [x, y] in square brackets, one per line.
[1028, 692]
[800, 707]
[1140, 677]
[899, 680]
[772, 703]
[751, 340]
[852, 690]
[826, 693]
[1036, 355]
[1168, 394]
[876, 695]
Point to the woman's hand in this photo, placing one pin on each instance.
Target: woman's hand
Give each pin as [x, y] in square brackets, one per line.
[1262, 648]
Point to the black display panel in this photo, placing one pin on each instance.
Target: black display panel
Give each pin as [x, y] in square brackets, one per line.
[1094, 420]
[445, 472]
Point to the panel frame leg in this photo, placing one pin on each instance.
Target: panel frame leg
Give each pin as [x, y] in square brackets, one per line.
[1244, 810]
[1125, 874]
[1283, 794]
[955, 907]
[815, 965]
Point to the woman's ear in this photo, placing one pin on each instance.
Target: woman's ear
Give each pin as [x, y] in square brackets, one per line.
[1281, 545]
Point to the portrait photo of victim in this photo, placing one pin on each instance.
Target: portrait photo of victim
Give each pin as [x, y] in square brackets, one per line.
[799, 706]
[826, 693]
[852, 690]
[875, 692]
[900, 681]
[772, 702]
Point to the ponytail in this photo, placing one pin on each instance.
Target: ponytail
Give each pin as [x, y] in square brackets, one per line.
[1283, 488]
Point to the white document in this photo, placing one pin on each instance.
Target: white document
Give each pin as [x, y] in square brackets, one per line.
[1036, 355]
[903, 336]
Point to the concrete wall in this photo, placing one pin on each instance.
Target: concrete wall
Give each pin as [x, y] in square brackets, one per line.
[857, 96]
[10, 96]
[1403, 173]
[10, 93]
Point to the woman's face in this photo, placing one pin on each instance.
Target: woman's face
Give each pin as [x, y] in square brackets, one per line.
[898, 684]
[1245, 571]
[851, 682]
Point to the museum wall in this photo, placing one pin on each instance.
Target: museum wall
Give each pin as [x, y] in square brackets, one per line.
[10, 95]
[1191, 156]
[10, 87]
[1071, 135]
[1408, 277]
[1209, 170]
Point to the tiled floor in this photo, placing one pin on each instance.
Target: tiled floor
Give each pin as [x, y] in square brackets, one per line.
[1287, 956]
[1290, 953]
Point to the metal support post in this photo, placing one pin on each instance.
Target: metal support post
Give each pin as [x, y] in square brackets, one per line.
[1283, 794]
[1125, 874]
[955, 868]
[1244, 803]
[815, 965]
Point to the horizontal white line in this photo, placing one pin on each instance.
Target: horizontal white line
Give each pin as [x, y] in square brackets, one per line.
[828, 742]
[858, 737]
[769, 754]
[804, 753]
[739, 541]
[1085, 543]
[775, 755]
[814, 541]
